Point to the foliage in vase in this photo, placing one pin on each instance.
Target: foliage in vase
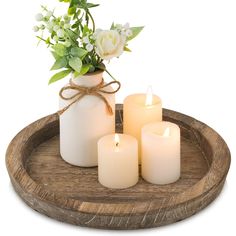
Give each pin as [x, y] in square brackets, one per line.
[76, 44]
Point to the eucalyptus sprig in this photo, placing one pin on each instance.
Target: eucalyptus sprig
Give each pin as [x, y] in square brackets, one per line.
[77, 45]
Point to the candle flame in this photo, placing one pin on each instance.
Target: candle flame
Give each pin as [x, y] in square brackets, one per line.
[117, 140]
[149, 96]
[166, 132]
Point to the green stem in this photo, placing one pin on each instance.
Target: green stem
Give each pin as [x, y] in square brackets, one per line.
[44, 40]
[110, 75]
[91, 17]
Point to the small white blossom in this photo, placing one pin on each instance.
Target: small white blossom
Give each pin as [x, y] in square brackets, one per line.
[67, 26]
[55, 38]
[60, 33]
[56, 27]
[86, 40]
[35, 28]
[89, 47]
[39, 17]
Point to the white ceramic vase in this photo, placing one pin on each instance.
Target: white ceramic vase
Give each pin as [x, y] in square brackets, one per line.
[85, 122]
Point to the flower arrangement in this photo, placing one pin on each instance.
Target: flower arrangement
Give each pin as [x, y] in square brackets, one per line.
[76, 44]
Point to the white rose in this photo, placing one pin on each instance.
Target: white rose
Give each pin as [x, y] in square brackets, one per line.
[109, 44]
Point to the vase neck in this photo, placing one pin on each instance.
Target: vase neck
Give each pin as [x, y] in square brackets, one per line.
[89, 80]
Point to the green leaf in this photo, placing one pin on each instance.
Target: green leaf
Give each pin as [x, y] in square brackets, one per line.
[55, 55]
[127, 49]
[71, 10]
[59, 75]
[74, 2]
[59, 63]
[101, 66]
[76, 25]
[135, 32]
[76, 63]
[59, 49]
[78, 52]
[90, 5]
[84, 69]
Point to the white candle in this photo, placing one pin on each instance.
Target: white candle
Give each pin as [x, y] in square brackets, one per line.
[161, 152]
[118, 161]
[141, 109]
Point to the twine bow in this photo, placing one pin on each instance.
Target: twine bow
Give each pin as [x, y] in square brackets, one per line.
[82, 91]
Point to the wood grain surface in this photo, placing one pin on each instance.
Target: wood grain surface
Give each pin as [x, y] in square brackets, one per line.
[73, 194]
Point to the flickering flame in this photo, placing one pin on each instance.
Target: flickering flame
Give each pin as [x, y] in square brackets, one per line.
[166, 132]
[149, 96]
[117, 140]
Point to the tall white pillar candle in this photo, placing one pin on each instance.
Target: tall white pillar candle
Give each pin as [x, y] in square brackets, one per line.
[118, 161]
[140, 109]
[161, 152]
[84, 123]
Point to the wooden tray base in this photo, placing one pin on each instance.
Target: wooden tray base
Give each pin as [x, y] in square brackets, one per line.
[73, 194]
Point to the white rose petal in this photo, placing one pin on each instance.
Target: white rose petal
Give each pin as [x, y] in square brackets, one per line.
[109, 44]
[128, 33]
[39, 17]
[126, 26]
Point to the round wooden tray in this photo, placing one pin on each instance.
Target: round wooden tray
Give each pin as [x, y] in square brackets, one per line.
[72, 194]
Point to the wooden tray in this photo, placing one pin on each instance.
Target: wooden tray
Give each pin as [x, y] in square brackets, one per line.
[72, 194]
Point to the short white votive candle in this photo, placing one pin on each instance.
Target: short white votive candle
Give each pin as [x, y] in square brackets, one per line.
[161, 152]
[118, 161]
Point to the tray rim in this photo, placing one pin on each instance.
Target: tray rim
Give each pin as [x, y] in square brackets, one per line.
[211, 180]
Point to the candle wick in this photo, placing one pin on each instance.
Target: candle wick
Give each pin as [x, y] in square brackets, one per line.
[117, 144]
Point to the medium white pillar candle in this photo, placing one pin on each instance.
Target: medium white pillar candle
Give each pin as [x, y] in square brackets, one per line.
[161, 152]
[118, 161]
[140, 109]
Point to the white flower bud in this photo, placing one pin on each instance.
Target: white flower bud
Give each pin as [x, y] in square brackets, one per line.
[60, 33]
[85, 40]
[67, 26]
[42, 27]
[35, 28]
[89, 47]
[55, 38]
[49, 14]
[39, 17]
[56, 27]
[66, 17]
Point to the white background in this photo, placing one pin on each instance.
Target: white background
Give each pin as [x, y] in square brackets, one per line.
[187, 52]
